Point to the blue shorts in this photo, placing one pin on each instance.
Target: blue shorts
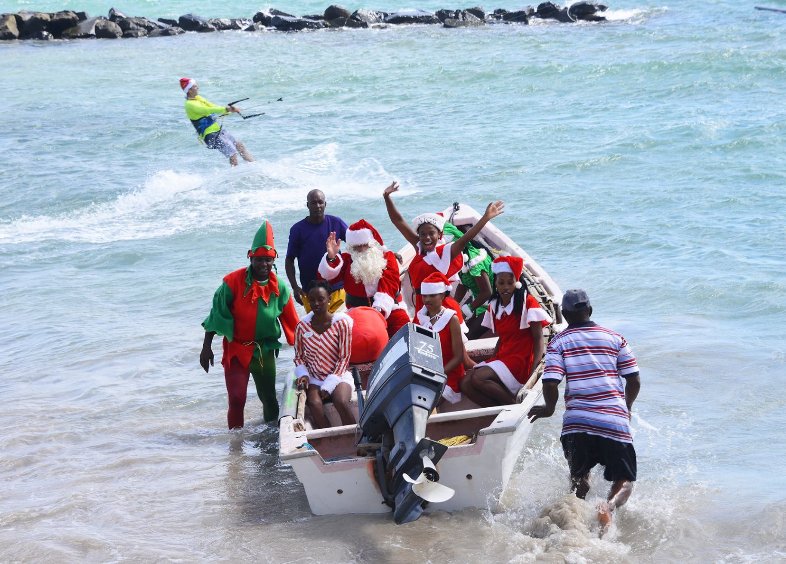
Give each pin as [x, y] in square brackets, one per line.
[223, 141]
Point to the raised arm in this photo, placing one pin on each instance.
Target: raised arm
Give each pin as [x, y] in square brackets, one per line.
[396, 218]
[492, 210]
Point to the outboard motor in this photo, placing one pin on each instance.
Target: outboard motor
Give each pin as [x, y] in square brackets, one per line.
[405, 384]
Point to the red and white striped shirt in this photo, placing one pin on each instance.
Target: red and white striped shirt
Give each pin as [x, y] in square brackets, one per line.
[321, 354]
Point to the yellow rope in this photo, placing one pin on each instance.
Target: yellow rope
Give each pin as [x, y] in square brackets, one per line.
[455, 441]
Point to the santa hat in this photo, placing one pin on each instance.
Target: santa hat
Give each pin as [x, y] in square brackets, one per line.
[514, 265]
[263, 245]
[433, 218]
[362, 233]
[434, 283]
[186, 84]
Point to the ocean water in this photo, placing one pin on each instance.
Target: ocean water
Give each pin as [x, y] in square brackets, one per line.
[640, 159]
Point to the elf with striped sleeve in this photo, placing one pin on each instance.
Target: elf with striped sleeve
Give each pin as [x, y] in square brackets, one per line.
[602, 382]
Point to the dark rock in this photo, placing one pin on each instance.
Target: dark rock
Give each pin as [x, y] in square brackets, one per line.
[167, 21]
[32, 24]
[466, 20]
[478, 12]
[190, 22]
[315, 17]
[82, 16]
[443, 15]
[412, 17]
[135, 33]
[135, 24]
[334, 12]
[519, 16]
[8, 28]
[586, 11]
[115, 15]
[286, 23]
[83, 30]
[61, 21]
[42, 35]
[167, 31]
[221, 24]
[367, 16]
[107, 29]
[256, 27]
[265, 17]
[549, 11]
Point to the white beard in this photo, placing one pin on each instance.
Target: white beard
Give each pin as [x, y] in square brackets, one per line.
[367, 266]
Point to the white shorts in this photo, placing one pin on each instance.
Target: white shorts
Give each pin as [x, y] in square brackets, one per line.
[329, 384]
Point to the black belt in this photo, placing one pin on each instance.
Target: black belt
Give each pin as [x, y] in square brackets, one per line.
[357, 301]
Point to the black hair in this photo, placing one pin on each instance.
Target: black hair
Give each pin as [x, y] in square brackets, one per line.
[314, 284]
[519, 296]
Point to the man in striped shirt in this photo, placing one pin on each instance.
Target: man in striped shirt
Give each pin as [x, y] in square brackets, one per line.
[602, 382]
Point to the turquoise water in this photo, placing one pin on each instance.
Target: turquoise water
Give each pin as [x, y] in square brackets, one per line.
[640, 159]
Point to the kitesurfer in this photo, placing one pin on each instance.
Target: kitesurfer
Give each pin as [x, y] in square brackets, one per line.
[204, 117]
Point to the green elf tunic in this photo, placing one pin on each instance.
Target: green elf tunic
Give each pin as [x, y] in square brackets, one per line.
[250, 316]
[476, 261]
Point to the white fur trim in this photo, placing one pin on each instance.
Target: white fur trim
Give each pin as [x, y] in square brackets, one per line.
[504, 374]
[440, 262]
[329, 272]
[500, 267]
[384, 302]
[428, 288]
[450, 395]
[467, 311]
[536, 315]
[424, 320]
[329, 384]
[359, 237]
[480, 257]
[434, 219]
[517, 284]
[189, 86]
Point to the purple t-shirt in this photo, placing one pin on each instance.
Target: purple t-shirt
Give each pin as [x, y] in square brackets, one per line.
[307, 245]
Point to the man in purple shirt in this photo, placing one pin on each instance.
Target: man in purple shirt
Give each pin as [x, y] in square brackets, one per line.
[307, 244]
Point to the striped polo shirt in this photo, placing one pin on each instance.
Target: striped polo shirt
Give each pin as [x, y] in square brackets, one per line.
[593, 360]
[322, 354]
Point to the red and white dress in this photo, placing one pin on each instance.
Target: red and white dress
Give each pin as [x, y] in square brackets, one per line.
[513, 361]
[437, 260]
[324, 357]
[441, 325]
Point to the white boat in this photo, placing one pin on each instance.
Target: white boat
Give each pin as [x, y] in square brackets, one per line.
[484, 443]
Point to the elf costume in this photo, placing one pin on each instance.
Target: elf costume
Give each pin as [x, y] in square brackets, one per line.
[249, 314]
[476, 261]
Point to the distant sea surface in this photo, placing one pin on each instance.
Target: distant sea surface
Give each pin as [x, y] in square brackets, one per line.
[640, 159]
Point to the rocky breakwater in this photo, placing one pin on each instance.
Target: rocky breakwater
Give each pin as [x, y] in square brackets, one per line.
[68, 24]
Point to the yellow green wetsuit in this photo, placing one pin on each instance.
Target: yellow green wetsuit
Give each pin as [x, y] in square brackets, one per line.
[203, 116]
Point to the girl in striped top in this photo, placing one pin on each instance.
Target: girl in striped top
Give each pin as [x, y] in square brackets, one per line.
[323, 342]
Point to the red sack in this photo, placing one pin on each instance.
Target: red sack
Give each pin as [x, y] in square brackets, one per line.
[369, 334]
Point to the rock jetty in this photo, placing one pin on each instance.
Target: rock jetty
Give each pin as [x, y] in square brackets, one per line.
[69, 24]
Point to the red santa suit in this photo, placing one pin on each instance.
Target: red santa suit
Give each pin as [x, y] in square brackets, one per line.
[384, 294]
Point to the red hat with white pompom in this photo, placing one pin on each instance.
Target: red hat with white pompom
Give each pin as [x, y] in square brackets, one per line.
[513, 265]
[362, 233]
[187, 84]
[434, 283]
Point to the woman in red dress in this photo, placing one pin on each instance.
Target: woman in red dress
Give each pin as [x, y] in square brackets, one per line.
[518, 321]
[432, 256]
[435, 316]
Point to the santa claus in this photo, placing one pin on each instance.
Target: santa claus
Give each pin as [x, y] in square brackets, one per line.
[369, 271]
